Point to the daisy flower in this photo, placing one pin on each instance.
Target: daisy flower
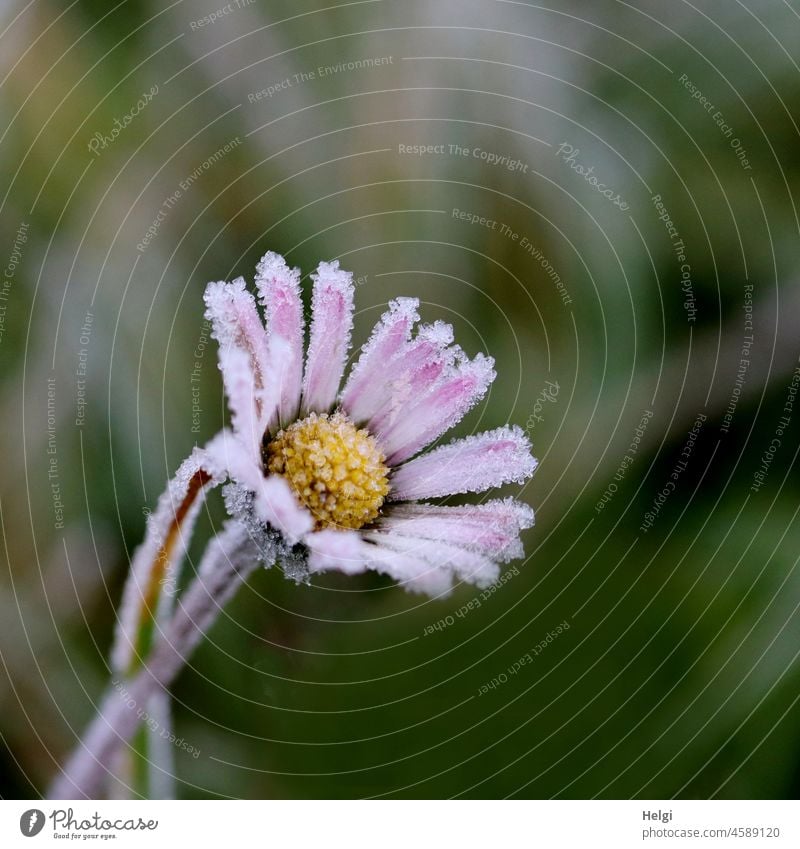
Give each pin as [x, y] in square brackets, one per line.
[318, 477]
[341, 472]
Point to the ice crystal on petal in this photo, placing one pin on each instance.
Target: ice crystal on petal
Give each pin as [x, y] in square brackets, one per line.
[470, 565]
[239, 382]
[411, 372]
[367, 378]
[473, 464]
[231, 309]
[439, 409]
[169, 529]
[329, 337]
[239, 504]
[492, 528]
[279, 292]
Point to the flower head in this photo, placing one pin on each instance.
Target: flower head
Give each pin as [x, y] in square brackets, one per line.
[339, 475]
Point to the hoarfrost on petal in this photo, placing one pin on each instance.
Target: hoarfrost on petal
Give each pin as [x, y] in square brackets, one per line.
[492, 528]
[368, 374]
[472, 464]
[155, 562]
[235, 323]
[349, 553]
[437, 410]
[279, 292]
[470, 565]
[230, 452]
[335, 550]
[239, 382]
[413, 572]
[411, 372]
[329, 337]
[276, 504]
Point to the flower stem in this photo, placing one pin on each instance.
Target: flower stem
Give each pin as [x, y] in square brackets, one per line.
[229, 559]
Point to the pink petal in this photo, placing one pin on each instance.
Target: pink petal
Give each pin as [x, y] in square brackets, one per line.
[231, 453]
[469, 565]
[492, 528]
[412, 371]
[235, 322]
[437, 410]
[367, 376]
[329, 340]
[348, 552]
[279, 291]
[413, 573]
[473, 464]
[239, 382]
[335, 550]
[276, 505]
[274, 502]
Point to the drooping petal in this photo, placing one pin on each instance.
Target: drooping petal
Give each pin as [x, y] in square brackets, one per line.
[437, 410]
[156, 560]
[412, 371]
[276, 504]
[279, 292]
[329, 338]
[348, 552]
[470, 565]
[492, 528]
[235, 323]
[368, 374]
[473, 464]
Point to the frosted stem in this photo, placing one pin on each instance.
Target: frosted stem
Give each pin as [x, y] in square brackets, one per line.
[228, 560]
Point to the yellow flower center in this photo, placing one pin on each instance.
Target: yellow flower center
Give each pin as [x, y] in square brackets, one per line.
[335, 469]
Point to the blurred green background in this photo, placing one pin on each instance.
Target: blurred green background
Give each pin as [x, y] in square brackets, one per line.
[679, 673]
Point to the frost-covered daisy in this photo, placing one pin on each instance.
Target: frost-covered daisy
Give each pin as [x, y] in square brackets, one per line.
[341, 471]
[319, 477]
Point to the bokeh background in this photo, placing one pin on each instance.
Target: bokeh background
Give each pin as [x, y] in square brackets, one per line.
[678, 674]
